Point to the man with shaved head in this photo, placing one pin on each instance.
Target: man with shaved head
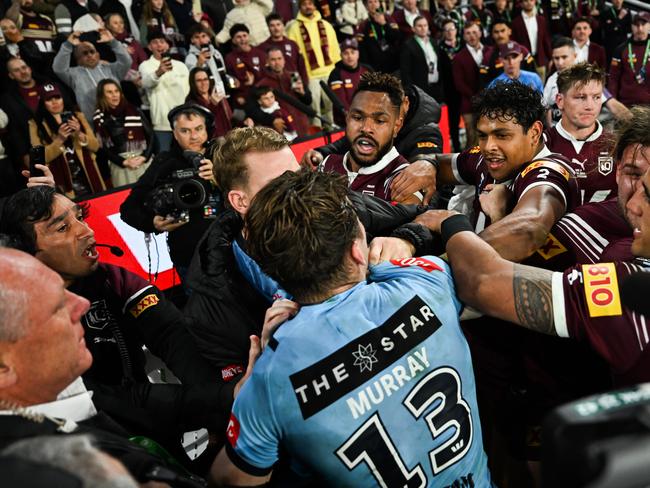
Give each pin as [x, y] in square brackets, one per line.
[84, 77]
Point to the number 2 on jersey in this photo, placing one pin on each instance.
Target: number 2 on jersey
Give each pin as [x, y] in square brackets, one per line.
[371, 443]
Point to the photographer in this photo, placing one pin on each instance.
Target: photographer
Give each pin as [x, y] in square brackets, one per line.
[70, 145]
[191, 125]
[84, 77]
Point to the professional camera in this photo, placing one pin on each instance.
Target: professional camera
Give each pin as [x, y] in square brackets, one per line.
[183, 191]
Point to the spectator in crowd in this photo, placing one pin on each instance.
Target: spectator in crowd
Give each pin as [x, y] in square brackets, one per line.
[203, 54]
[587, 51]
[319, 47]
[379, 39]
[293, 60]
[628, 79]
[70, 145]
[124, 132]
[191, 126]
[502, 35]
[203, 91]
[33, 26]
[67, 12]
[592, 10]
[564, 56]
[448, 47]
[77, 456]
[616, 24]
[277, 77]
[405, 18]
[337, 295]
[166, 82]
[51, 330]
[465, 67]
[420, 62]
[448, 10]
[83, 78]
[579, 136]
[184, 16]
[157, 18]
[265, 98]
[479, 14]
[17, 46]
[251, 13]
[373, 121]
[132, 82]
[530, 29]
[512, 55]
[345, 76]
[244, 62]
[227, 285]
[20, 101]
[350, 15]
[501, 11]
[561, 15]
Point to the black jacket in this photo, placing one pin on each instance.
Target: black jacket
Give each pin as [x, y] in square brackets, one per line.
[414, 69]
[135, 212]
[419, 137]
[225, 309]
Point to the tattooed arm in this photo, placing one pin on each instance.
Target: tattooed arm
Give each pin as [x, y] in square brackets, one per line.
[500, 288]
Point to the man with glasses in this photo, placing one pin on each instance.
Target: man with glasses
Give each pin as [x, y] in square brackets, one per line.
[83, 78]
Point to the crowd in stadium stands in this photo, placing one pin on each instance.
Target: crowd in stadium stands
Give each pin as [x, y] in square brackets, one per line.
[380, 375]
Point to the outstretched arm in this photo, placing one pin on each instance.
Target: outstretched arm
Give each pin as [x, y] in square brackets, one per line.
[497, 287]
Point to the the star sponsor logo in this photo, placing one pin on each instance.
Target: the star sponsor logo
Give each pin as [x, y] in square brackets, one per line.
[364, 357]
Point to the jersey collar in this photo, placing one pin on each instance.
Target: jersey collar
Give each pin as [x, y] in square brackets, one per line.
[375, 168]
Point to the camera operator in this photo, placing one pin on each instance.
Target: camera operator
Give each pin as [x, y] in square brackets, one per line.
[191, 125]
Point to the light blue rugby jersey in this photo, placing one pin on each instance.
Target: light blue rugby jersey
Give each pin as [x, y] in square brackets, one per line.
[372, 387]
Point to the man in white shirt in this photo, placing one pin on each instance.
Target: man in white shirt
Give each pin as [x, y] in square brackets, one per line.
[587, 51]
[167, 84]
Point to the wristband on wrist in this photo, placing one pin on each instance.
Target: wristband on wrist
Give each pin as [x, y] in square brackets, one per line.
[453, 225]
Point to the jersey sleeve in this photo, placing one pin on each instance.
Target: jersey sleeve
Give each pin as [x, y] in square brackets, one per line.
[432, 272]
[253, 434]
[465, 166]
[587, 307]
[545, 172]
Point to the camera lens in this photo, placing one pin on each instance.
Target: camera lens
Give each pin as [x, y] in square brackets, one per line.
[190, 194]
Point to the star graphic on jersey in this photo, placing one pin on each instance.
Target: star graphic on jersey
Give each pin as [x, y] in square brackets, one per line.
[364, 357]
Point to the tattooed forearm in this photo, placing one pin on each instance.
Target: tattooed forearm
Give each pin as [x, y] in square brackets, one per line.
[533, 298]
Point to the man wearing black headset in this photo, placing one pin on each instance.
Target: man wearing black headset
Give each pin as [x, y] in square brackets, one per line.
[191, 125]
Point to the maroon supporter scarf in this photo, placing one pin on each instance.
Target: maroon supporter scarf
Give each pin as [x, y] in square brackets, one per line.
[125, 112]
[313, 62]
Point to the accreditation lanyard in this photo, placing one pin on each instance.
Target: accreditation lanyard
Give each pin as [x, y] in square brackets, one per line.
[630, 55]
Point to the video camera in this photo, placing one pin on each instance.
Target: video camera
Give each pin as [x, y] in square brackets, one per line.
[185, 190]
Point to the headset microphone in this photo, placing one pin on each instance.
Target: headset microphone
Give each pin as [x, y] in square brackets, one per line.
[115, 250]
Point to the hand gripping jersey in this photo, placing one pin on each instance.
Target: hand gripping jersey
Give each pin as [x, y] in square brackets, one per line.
[546, 168]
[372, 387]
[587, 306]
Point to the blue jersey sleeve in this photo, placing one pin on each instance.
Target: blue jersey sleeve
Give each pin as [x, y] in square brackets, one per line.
[253, 434]
[433, 273]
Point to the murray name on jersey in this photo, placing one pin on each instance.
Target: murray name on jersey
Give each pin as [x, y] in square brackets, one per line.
[399, 338]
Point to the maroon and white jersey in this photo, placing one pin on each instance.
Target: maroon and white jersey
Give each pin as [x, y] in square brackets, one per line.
[592, 233]
[546, 168]
[372, 180]
[590, 159]
[587, 307]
